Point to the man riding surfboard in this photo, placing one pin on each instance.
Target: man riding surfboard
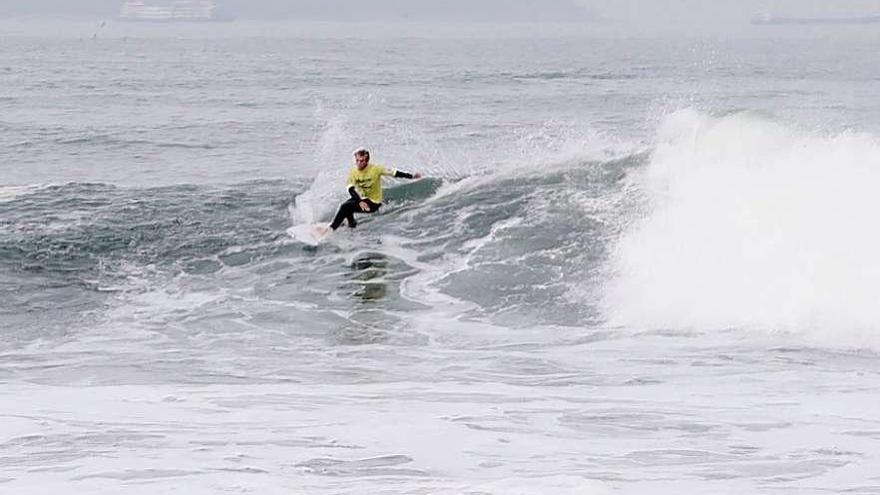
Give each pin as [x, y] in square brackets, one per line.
[365, 189]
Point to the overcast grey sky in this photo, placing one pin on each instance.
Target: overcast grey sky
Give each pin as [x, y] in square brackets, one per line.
[679, 12]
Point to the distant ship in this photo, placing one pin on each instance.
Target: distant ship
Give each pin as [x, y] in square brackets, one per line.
[771, 19]
[178, 10]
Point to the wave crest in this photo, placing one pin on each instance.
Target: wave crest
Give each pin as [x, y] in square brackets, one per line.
[753, 224]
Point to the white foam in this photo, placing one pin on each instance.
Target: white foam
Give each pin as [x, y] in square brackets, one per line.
[558, 484]
[753, 224]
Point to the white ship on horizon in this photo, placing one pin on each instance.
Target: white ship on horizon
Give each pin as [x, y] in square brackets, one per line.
[178, 10]
[765, 18]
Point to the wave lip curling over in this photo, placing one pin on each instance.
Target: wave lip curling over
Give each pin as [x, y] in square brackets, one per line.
[749, 223]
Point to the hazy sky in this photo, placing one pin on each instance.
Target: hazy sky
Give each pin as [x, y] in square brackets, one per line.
[679, 12]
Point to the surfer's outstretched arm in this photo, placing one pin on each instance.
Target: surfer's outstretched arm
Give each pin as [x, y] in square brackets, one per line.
[400, 174]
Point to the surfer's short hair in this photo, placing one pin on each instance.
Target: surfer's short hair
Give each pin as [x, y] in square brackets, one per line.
[362, 152]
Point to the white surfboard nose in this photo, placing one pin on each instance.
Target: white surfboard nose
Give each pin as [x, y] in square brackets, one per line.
[311, 234]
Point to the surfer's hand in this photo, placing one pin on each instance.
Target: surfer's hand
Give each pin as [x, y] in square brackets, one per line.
[417, 175]
[364, 206]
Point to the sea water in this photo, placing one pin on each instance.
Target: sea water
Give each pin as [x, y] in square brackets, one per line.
[651, 268]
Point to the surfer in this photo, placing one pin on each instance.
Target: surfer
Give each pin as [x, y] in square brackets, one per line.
[365, 188]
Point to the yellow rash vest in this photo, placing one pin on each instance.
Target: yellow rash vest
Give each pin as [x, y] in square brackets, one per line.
[368, 182]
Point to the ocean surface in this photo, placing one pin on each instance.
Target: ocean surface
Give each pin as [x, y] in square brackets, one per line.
[652, 267]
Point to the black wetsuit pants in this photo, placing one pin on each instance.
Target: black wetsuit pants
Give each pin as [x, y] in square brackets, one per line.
[349, 208]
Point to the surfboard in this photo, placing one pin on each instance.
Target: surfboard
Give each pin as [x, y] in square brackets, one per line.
[312, 234]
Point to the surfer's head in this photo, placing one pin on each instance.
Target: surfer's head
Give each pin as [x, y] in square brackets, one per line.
[361, 158]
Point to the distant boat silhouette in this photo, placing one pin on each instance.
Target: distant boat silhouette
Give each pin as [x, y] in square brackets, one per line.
[772, 19]
[177, 10]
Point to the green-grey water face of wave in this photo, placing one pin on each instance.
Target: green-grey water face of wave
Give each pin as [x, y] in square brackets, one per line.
[65, 247]
[78, 233]
[519, 242]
